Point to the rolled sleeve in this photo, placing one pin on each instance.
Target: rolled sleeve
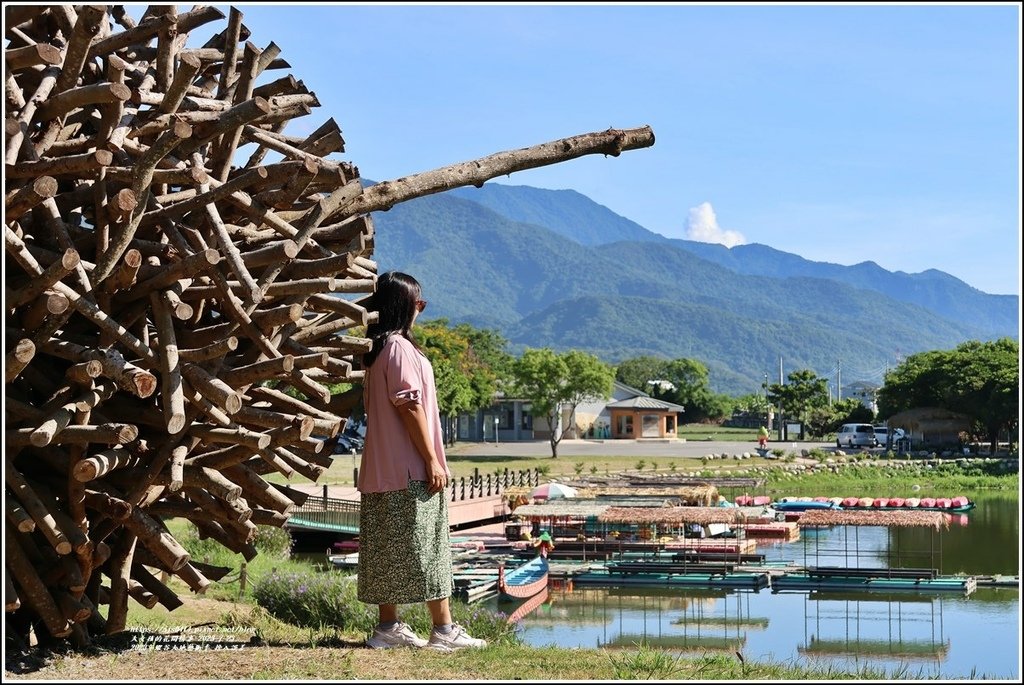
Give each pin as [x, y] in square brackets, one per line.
[404, 380]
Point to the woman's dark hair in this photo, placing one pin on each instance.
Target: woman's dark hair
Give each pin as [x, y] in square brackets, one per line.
[395, 303]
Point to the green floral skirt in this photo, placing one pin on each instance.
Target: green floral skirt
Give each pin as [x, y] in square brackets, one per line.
[405, 553]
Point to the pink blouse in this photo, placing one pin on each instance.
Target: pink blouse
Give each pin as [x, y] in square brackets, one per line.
[399, 374]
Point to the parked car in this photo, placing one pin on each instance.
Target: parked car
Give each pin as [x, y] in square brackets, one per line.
[881, 436]
[856, 435]
[343, 445]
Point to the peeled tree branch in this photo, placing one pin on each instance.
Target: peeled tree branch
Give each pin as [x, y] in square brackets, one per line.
[387, 194]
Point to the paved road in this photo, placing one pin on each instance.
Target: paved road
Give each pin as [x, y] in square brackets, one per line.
[629, 448]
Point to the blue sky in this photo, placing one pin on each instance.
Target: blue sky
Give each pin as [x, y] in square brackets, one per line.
[842, 133]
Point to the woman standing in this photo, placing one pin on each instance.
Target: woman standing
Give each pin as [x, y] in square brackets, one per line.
[404, 546]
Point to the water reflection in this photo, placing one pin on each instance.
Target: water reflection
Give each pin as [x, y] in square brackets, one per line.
[925, 635]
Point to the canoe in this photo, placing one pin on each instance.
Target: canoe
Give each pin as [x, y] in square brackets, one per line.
[523, 581]
[802, 506]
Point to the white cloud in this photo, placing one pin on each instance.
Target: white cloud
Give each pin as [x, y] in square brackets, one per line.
[702, 225]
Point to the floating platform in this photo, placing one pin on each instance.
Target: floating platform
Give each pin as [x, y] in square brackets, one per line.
[602, 577]
[964, 585]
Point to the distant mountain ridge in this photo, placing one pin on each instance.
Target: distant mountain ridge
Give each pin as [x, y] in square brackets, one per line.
[560, 280]
[589, 223]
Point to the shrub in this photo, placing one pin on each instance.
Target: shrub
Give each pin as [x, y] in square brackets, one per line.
[273, 542]
[328, 600]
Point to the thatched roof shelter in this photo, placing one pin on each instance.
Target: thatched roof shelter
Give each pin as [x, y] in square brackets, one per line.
[671, 515]
[561, 508]
[693, 495]
[891, 518]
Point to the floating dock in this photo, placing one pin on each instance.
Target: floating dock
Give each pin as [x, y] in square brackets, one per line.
[964, 585]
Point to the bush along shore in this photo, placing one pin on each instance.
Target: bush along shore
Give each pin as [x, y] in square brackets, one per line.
[280, 617]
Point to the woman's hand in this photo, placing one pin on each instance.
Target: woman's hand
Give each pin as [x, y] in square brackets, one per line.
[437, 479]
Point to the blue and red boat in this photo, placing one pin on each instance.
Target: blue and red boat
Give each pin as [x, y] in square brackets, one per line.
[523, 581]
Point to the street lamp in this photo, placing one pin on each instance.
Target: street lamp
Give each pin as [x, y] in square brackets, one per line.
[495, 430]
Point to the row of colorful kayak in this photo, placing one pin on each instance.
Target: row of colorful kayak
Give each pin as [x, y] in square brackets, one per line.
[952, 504]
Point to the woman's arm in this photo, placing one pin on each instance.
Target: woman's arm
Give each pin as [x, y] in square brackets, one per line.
[415, 421]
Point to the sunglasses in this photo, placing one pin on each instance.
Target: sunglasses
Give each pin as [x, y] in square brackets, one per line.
[421, 305]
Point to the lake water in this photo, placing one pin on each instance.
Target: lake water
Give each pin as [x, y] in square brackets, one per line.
[920, 635]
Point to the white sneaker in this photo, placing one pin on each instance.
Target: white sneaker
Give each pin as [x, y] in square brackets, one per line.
[398, 635]
[457, 639]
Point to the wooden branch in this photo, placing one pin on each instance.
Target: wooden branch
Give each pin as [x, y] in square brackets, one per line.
[119, 569]
[18, 358]
[165, 596]
[84, 96]
[144, 169]
[18, 59]
[214, 389]
[188, 67]
[18, 517]
[257, 490]
[21, 200]
[71, 165]
[171, 388]
[251, 289]
[102, 463]
[387, 194]
[47, 305]
[90, 19]
[232, 436]
[27, 114]
[35, 508]
[190, 266]
[244, 376]
[32, 590]
[157, 540]
[220, 348]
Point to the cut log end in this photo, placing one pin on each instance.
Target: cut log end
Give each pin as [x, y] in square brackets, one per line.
[175, 424]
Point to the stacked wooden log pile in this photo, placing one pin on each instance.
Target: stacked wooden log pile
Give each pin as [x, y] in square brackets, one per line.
[181, 280]
[157, 278]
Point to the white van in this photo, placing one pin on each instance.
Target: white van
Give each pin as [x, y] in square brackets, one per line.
[856, 435]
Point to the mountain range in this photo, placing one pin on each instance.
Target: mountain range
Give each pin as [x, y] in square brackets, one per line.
[553, 268]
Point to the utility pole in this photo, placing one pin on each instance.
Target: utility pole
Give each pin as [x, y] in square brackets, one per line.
[781, 435]
[839, 380]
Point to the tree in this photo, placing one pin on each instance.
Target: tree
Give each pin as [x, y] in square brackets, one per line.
[979, 379]
[683, 381]
[804, 391]
[462, 358]
[551, 382]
